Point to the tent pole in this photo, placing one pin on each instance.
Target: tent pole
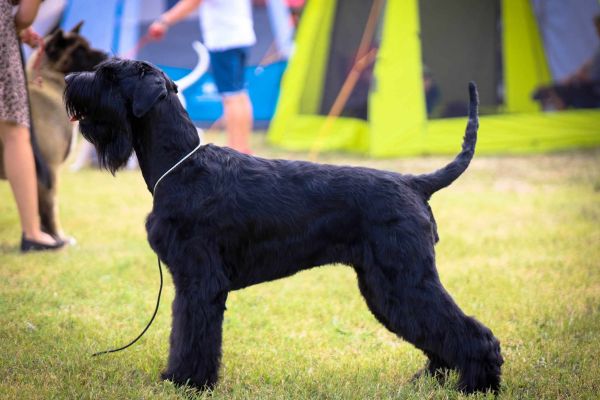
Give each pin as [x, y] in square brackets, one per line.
[365, 57]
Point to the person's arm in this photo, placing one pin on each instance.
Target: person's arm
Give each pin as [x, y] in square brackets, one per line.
[179, 11]
[182, 9]
[26, 13]
[580, 76]
[583, 73]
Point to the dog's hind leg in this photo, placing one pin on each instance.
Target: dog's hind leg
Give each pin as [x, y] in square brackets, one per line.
[411, 302]
[196, 334]
[48, 207]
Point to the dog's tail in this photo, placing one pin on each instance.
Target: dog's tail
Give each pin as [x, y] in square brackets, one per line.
[432, 182]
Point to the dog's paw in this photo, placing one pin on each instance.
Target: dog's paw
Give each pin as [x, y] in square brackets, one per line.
[180, 380]
[480, 378]
[440, 374]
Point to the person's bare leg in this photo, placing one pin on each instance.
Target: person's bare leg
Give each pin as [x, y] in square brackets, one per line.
[237, 110]
[229, 115]
[19, 167]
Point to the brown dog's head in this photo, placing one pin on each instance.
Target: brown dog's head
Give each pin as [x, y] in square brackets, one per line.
[68, 52]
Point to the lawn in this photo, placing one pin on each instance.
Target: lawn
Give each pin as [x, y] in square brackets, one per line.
[519, 249]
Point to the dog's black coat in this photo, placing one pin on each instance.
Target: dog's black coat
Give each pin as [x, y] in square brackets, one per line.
[224, 220]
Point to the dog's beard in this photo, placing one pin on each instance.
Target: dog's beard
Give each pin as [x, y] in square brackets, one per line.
[103, 119]
[112, 142]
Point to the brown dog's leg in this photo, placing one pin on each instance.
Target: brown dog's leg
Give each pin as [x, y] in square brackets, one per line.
[48, 205]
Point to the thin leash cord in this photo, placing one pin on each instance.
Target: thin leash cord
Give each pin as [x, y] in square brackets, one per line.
[175, 166]
[159, 268]
[149, 323]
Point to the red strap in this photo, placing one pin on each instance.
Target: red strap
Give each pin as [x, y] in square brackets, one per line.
[144, 40]
[37, 63]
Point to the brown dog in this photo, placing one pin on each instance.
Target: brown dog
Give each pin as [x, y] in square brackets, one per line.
[62, 53]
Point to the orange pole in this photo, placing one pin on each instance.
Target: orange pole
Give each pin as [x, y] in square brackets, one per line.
[361, 62]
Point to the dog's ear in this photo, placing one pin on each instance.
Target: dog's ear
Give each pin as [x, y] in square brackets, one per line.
[170, 84]
[150, 89]
[56, 35]
[77, 27]
[55, 44]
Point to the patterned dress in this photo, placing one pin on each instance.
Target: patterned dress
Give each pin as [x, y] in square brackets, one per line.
[14, 105]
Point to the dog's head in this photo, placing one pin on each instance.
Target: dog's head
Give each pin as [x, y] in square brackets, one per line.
[109, 101]
[68, 52]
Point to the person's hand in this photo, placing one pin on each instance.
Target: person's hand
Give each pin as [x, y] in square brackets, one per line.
[30, 37]
[158, 30]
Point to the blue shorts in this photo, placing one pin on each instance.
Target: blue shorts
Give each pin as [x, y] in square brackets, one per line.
[228, 70]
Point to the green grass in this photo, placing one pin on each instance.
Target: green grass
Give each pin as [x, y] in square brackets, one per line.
[519, 249]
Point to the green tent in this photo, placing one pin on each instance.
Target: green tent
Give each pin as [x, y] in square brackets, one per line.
[385, 113]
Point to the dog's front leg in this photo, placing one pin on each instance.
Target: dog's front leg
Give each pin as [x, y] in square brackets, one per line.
[195, 352]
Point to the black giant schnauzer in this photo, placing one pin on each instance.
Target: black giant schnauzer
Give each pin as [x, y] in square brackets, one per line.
[224, 220]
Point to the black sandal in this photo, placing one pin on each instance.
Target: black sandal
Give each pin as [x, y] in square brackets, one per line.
[31, 245]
